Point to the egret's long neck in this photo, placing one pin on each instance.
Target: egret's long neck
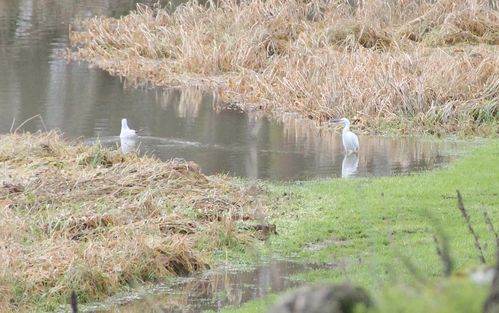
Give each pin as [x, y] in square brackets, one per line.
[124, 125]
[347, 127]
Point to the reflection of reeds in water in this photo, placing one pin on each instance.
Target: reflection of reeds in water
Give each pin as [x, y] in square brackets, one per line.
[251, 161]
[402, 153]
[187, 101]
[219, 289]
[190, 100]
[305, 131]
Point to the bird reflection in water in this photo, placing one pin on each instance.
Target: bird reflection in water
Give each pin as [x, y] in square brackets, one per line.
[128, 144]
[349, 165]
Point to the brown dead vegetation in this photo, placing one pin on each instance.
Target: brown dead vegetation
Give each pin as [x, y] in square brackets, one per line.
[85, 218]
[428, 66]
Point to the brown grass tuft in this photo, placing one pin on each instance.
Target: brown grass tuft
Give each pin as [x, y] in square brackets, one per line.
[93, 220]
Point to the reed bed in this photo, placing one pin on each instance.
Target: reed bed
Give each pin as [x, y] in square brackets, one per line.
[93, 220]
[417, 66]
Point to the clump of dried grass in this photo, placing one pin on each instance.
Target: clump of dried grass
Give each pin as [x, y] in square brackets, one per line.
[420, 65]
[84, 218]
[450, 23]
[6, 290]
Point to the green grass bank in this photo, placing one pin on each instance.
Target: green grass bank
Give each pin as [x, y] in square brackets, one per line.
[378, 232]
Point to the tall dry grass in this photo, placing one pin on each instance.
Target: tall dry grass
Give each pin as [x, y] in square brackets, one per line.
[429, 66]
[75, 217]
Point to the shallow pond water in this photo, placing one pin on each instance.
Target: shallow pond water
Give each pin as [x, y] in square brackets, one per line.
[211, 290]
[87, 103]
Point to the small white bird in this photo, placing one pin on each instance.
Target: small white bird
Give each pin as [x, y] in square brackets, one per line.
[125, 131]
[350, 140]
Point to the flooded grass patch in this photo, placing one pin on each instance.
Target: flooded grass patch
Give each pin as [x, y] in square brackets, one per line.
[93, 220]
[405, 66]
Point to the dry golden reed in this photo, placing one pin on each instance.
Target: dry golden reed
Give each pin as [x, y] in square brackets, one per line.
[425, 66]
[85, 218]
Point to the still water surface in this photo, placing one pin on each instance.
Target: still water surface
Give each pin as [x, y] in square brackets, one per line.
[87, 103]
[211, 290]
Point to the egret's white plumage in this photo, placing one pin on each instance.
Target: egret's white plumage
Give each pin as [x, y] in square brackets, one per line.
[350, 140]
[125, 131]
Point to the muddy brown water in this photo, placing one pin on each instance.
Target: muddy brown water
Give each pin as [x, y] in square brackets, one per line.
[85, 102]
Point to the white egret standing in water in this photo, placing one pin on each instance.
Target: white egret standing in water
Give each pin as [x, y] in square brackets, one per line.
[125, 131]
[350, 140]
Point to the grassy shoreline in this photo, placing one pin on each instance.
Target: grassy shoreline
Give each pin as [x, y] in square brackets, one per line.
[406, 67]
[372, 228]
